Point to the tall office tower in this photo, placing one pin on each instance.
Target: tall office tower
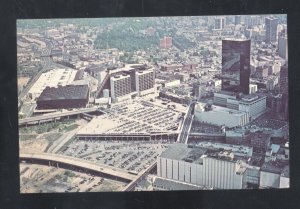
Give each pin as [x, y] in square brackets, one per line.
[251, 20]
[219, 23]
[237, 19]
[283, 86]
[236, 65]
[283, 79]
[120, 86]
[283, 44]
[271, 29]
[144, 80]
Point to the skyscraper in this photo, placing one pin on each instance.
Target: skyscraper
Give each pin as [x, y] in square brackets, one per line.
[120, 86]
[283, 79]
[219, 23]
[144, 81]
[237, 20]
[236, 65]
[283, 44]
[271, 29]
[283, 85]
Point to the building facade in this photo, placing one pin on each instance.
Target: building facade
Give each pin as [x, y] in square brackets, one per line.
[144, 81]
[221, 116]
[236, 65]
[64, 97]
[271, 29]
[218, 171]
[283, 47]
[120, 86]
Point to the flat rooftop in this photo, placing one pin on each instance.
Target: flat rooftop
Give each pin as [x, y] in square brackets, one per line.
[195, 154]
[52, 78]
[236, 149]
[215, 109]
[134, 117]
[277, 167]
[236, 39]
[130, 67]
[64, 92]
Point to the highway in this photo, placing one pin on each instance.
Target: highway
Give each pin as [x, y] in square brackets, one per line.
[55, 115]
[206, 134]
[140, 177]
[47, 158]
[183, 136]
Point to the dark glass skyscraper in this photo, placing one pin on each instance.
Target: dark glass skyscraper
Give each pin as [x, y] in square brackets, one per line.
[236, 65]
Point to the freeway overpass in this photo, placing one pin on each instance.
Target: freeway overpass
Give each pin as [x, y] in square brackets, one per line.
[77, 163]
[187, 124]
[56, 116]
[140, 177]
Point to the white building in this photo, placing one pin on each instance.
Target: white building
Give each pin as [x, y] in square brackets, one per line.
[144, 81]
[284, 181]
[171, 83]
[221, 116]
[283, 47]
[274, 175]
[252, 88]
[255, 106]
[276, 67]
[198, 166]
[106, 93]
[52, 78]
[120, 86]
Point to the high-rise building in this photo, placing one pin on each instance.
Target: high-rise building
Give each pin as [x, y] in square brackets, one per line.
[120, 86]
[219, 23]
[283, 79]
[283, 86]
[283, 45]
[237, 19]
[144, 81]
[271, 29]
[236, 65]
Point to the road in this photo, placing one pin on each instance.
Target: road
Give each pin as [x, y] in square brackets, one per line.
[56, 115]
[42, 158]
[133, 184]
[183, 136]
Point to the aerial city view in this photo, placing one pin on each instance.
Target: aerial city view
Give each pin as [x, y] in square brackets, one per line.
[153, 103]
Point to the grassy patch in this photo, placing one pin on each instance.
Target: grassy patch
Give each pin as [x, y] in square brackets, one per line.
[27, 137]
[46, 127]
[52, 136]
[70, 127]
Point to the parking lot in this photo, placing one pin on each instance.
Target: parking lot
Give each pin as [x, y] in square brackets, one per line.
[133, 156]
[134, 117]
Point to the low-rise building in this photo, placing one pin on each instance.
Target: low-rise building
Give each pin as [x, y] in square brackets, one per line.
[202, 166]
[63, 97]
[220, 115]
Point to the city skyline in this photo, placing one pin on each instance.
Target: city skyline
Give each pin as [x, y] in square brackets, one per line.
[150, 104]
